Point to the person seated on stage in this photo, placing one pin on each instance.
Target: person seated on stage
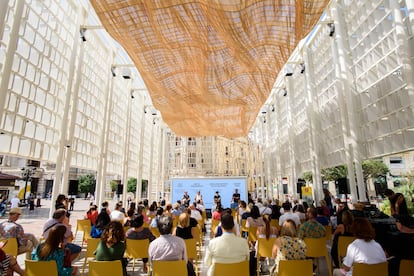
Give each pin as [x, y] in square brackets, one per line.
[25, 241]
[363, 250]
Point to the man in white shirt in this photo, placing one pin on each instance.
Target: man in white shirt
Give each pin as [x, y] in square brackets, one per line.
[228, 248]
[195, 213]
[288, 215]
[15, 201]
[117, 215]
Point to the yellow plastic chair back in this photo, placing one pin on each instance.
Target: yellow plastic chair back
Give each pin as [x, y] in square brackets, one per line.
[99, 268]
[406, 267]
[380, 269]
[214, 224]
[84, 225]
[317, 248]
[252, 234]
[92, 244]
[274, 223]
[169, 268]
[11, 246]
[136, 249]
[343, 242]
[328, 234]
[243, 227]
[264, 249]
[155, 232]
[40, 268]
[239, 269]
[295, 267]
[191, 247]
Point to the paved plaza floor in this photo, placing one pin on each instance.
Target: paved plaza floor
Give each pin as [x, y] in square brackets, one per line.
[33, 221]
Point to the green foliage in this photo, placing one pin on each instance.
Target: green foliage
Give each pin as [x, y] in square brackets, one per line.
[86, 183]
[373, 169]
[308, 177]
[132, 185]
[334, 173]
[114, 185]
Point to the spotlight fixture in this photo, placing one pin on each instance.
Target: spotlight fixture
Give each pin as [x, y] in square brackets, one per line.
[126, 73]
[82, 34]
[132, 94]
[153, 121]
[145, 110]
[284, 92]
[264, 120]
[302, 68]
[331, 29]
[288, 70]
[273, 108]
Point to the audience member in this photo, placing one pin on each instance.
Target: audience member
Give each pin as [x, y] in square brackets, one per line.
[8, 263]
[60, 218]
[363, 250]
[117, 214]
[311, 228]
[92, 214]
[343, 229]
[287, 214]
[321, 217]
[112, 245]
[52, 249]
[168, 247]
[288, 246]
[25, 241]
[138, 232]
[227, 248]
[102, 220]
[398, 205]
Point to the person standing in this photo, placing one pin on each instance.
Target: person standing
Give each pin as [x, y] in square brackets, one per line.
[25, 241]
[15, 201]
[228, 248]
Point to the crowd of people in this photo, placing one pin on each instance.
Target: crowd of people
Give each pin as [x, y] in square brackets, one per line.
[167, 225]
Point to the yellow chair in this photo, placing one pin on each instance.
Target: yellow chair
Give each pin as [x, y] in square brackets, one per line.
[91, 246]
[264, 249]
[380, 269]
[155, 232]
[406, 267]
[243, 227]
[136, 249]
[275, 223]
[11, 246]
[252, 234]
[343, 242]
[214, 224]
[99, 268]
[239, 269]
[328, 234]
[84, 225]
[168, 268]
[40, 268]
[295, 267]
[317, 248]
[191, 247]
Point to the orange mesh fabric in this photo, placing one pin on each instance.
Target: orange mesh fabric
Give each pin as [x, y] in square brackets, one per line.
[209, 65]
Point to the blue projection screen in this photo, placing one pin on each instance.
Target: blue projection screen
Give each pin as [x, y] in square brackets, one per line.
[208, 188]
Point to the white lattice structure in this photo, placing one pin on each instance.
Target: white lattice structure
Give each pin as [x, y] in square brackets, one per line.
[353, 101]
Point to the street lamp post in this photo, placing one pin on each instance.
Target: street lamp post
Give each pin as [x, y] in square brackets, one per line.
[27, 174]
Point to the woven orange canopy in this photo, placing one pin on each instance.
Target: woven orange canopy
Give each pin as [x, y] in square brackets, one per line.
[209, 65]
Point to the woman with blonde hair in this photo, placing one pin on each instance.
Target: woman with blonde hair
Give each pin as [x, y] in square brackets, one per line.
[184, 230]
[288, 246]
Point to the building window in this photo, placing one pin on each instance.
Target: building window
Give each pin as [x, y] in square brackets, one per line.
[396, 163]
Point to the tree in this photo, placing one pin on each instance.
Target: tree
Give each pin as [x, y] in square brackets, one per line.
[334, 173]
[132, 185]
[86, 183]
[373, 169]
[308, 177]
[114, 185]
